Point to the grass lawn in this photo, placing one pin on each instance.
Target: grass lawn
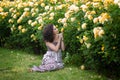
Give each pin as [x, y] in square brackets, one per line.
[14, 65]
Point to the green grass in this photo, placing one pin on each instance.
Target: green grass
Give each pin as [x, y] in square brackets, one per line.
[14, 65]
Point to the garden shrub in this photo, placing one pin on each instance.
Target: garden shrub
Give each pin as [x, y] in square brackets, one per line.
[91, 29]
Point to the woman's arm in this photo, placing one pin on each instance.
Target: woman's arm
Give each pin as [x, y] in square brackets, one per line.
[62, 42]
[54, 47]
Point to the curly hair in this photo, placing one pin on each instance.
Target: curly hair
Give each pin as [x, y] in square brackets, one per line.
[48, 33]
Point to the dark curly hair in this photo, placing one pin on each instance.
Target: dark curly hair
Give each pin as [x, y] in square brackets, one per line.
[48, 33]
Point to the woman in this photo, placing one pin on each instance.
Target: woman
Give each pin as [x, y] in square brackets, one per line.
[52, 60]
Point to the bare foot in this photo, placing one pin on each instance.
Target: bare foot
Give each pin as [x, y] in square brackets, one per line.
[30, 70]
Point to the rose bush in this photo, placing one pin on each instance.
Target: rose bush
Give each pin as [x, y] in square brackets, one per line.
[91, 29]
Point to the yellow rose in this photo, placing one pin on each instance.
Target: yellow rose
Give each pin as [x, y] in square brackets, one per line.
[32, 35]
[40, 28]
[51, 18]
[1, 9]
[77, 37]
[93, 12]
[64, 24]
[23, 30]
[87, 45]
[95, 20]
[52, 14]
[82, 67]
[90, 17]
[29, 22]
[78, 28]
[19, 27]
[59, 20]
[85, 38]
[114, 47]
[81, 41]
[19, 20]
[64, 20]
[47, 8]
[42, 4]
[72, 19]
[84, 25]
[101, 32]
[62, 29]
[102, 48]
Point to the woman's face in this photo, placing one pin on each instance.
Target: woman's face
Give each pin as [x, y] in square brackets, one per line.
[55, 30]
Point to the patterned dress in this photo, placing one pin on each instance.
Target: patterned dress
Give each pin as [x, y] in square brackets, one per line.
[51, 61]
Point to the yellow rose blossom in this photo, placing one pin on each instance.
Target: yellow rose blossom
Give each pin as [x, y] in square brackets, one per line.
[84, 8]
[59, 20]
[52, 14]
[102, 48]
[114, 47]
[42, 4]
[101, 32]
[78, 28]
[3, 17]
[81, 41]
[31, 4]
[51, 18]
[26, 9]
[19, 27]
[98, 32]
[59, 7]
[34, 23]
[67, 15]
[15, 16]
[62, 29]
[97, 0]
[64, 24]
[26, 14]
[74, 8]
[82, 67]
[29, 22]
[96, 4]
[34, 38]
[1, 9]
[64, 20]
[93, 12]
[33, 14]
[11, 9]
[19, 20]
[95, 20]
[87, 45]
[13, 28]
[73, 19]
[10, 21]
[108, 2]
[23, 30]
[53, 1]
[84, 25]
[47, 8]
[40, 28]
[104, 17]
[77, 37]
[90, 17]
[32, 35]
[85, 38]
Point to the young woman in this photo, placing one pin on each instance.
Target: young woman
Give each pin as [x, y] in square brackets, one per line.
[52, 59]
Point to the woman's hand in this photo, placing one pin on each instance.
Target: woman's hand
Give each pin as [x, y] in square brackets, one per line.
[61, 35]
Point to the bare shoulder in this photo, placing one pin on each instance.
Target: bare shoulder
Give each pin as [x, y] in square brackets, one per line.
[48, 43]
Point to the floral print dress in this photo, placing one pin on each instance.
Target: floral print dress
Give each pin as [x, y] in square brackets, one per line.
[51, 61]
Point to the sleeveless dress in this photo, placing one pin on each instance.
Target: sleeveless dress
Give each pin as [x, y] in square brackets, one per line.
[51, 61]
